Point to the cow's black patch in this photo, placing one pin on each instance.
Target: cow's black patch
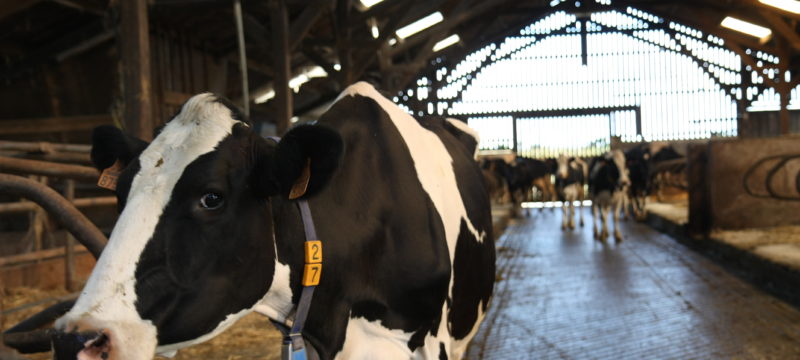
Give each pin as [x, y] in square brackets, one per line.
[473, 282]
[442, 352]
[604, 176]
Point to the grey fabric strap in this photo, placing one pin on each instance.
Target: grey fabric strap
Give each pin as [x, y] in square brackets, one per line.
[308, 291]
[294, 337]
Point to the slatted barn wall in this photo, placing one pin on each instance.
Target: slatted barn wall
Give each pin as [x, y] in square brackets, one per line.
[567, 85]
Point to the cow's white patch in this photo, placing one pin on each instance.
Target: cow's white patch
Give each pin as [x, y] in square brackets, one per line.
[109, 297]
[277, 304]
[619, 159]
[469, 131]
[366, 339]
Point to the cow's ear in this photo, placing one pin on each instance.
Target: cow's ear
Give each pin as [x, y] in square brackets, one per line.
[110, 144]
[303, 162]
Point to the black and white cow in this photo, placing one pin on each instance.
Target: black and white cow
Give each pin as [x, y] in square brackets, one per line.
[207, 234]
[608, 183]
[570, 180]
[637, 161]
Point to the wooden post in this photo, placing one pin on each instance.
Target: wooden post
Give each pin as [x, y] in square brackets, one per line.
[282, 63]
[783, 87]
[343, 42]
[784, 91]
[134, 43]
[69, 245]
[237, 13]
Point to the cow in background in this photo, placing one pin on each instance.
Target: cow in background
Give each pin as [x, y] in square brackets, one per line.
[494, 177]
[530, 174]
[651, 166]
[570, 179]
[667, 168]
[637, 160]
[608, 180]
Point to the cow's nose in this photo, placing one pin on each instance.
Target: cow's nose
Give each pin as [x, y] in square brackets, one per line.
[80, 345]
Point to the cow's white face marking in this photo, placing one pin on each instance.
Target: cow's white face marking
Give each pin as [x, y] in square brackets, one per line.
[109, 298]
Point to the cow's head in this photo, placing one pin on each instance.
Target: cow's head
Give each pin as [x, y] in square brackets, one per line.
[193, 249]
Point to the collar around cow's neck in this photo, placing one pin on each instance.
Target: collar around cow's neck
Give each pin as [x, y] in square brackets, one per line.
[294, 348]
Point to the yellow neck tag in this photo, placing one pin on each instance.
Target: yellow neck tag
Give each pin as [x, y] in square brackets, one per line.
[109, 176]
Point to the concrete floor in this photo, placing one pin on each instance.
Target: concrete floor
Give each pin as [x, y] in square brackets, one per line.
[563, 295]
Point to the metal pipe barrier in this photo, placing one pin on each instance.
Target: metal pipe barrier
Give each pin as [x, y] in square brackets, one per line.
[36, 167]
[62, 210]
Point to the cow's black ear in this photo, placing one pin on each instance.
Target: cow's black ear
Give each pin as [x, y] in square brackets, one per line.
[110, 144]
[305, 159]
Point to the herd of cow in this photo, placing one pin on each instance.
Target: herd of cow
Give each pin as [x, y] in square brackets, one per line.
[617, 183]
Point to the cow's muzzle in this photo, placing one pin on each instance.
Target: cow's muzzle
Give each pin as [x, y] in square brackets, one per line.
[81, 345]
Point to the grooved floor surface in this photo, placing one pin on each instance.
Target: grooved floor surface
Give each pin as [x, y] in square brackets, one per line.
[563, 295]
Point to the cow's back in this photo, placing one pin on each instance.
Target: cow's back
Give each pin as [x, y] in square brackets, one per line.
[405, 211]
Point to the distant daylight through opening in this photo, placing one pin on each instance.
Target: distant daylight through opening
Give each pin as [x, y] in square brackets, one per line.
[568, 83]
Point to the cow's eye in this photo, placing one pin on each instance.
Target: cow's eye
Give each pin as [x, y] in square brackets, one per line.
[211, 201]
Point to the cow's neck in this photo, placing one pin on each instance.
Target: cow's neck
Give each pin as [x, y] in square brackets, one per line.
[283, 295]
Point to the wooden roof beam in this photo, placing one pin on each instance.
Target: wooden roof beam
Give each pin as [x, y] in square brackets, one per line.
[781, 27]
[81, 5]
[8, 8]
[462, 14]
[302, 24]
[776, 11]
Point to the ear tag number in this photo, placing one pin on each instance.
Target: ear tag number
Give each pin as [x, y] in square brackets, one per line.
[311, 274]
[109, 176]
[301, 185]
[313, 252]
[313, 268]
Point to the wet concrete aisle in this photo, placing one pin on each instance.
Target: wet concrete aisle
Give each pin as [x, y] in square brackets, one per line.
[562, 295]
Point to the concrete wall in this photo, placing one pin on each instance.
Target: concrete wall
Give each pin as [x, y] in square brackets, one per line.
[741, 173]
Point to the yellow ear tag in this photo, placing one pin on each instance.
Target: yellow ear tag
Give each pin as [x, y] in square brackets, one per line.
[109, 176]
[301, 185]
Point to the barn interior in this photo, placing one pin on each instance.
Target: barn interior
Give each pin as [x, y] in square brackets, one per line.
[714, 84]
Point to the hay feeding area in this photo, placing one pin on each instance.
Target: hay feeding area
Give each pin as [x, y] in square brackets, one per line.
[252, 337]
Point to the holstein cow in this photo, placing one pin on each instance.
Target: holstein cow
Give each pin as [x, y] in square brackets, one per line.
[539, 174]
[493, 178]
[608, 180]
[207, 234]
[637, 161]
[570, 179]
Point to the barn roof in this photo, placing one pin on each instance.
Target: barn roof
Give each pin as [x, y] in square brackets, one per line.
[37, 35]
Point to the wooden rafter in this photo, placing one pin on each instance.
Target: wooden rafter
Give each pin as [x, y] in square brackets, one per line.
[279, 17]
[777, 23]
[8, 8]
[302, 24]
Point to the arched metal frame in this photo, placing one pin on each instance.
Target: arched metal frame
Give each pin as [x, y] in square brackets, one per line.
[742, 76]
